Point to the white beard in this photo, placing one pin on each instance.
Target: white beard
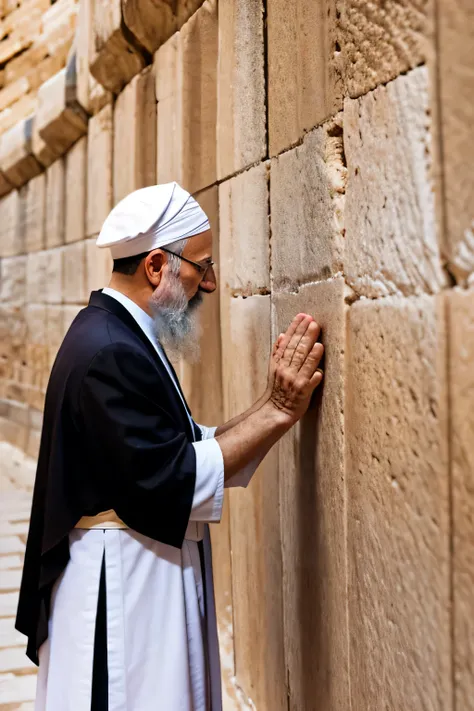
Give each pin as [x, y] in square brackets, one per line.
[175, 319]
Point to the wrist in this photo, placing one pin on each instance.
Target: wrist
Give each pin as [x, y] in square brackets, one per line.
[279, 418]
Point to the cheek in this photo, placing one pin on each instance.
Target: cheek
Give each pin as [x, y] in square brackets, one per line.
[190, 282]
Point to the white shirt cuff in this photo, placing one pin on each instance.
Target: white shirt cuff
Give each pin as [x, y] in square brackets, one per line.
[209, 490]
[207, 432]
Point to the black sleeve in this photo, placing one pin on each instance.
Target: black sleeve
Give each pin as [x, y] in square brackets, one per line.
[147, 467]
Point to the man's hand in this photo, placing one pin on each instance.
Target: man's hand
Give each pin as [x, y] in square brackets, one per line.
[293, 371]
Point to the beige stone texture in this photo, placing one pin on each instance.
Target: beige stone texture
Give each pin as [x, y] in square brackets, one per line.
[135, 136]
[54, 331]
[74, 273]
[75, 191]
[312, 515]
[36, 277]
[17, 161]
[461, 353]
[245, 235]
[5, 185]
[152, 22]
[304, 85]
[186, 90]
[13, 279]
[60, 118]
[98, 266]
[90, 94]
[398, 504]
[54, 276]
[36, 345]
[12, 340]
[241, 112]
[34, 196]
[11, 241]
[391, 240]
[255, 525]
[115, 56]
[99, 169]
[43, 153]
[55, 203]
[307, 208]
[456, 67]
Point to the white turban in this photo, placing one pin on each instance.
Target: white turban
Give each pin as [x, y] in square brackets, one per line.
[151, 218]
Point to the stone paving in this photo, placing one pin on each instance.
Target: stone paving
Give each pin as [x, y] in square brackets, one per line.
[17, 673]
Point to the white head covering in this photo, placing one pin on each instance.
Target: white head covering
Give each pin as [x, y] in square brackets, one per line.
[151, 218]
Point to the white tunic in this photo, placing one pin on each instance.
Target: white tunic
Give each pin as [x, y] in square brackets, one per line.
[162, 651]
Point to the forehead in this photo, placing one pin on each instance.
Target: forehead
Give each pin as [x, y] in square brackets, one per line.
[199, 246]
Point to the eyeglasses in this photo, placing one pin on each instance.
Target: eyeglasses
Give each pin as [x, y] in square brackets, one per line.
[202, 268]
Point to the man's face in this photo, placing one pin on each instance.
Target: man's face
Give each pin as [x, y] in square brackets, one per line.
[198, 250]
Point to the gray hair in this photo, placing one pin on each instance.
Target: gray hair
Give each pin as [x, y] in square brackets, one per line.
[178, 249]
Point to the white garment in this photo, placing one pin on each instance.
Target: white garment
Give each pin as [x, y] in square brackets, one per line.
[162, 642]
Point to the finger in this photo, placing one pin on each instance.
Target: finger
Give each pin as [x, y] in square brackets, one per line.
[316, 378]
[310, 366]
[305, 345]
[296, 337]
[285, 338]
[277, 343]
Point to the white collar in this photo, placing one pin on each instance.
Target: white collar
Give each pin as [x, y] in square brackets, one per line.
[141, 317]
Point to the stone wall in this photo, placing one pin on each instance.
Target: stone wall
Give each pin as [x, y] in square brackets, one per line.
[330, 144]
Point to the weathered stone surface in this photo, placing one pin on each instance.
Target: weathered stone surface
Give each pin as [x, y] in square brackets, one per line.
[304, 87]
[398, 505]
[312, 514]
[60, 118]
[43, 153]
[307, 207]
[115, 57]
[54, 330]
[55, 203]
[11, 242]
[456, 66]
[461, 354]
[135, 135]
[186, 90]
[5, 185]
[90, 94]
[391, 243]
[13, 279]
[245, 235]
[99, 169]
[241, 139]
[74, 273]
[17, 161]
[36, 277]
[151, 21]
[34, 196]
[75, 191]
[36, 345]
[54, 276]
[255, 526]
[98, 266]
[377, 41]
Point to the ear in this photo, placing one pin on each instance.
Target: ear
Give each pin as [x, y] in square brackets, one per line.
[154, 265]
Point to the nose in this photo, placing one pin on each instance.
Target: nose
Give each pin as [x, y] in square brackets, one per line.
[209, 283]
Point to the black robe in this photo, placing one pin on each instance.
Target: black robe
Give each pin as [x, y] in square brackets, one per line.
[116, 435]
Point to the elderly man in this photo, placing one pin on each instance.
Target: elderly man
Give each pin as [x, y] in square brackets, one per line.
[116, 597]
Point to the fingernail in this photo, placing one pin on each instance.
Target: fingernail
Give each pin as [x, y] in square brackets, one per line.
[320, 370]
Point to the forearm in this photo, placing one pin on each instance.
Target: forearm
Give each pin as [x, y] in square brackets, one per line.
[252, 437]
[239, 418]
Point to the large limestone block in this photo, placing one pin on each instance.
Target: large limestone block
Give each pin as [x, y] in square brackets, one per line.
[255, 525]
[307, 208]
[245, 236]
[75, 191]
[391, 241]
[116, 54]
[34, 196]
[398, 528]
[17, 161]
[11, 241]
[98, 266]
[54, 276]
[135, 135]
[152, 22]
[241, 112]
[5, 185]
[74, 273]
[186, 90]
[36, 277]
[99, 169]
[43, 153]
[61, 120]
[36, 345]
[304, 85]
[461, 350]
[312, 514]
[90, 94]
[55, 204]
[13, 279]
[456, 65]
